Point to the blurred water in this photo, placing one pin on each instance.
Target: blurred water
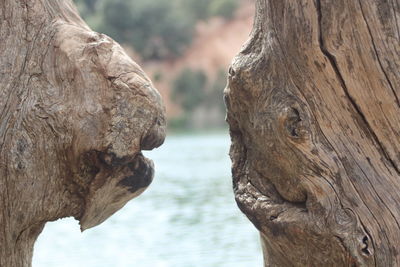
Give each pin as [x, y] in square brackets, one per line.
[187, 218]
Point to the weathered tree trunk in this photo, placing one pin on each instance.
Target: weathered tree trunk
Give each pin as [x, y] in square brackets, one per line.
[75, 113]
[313, 107]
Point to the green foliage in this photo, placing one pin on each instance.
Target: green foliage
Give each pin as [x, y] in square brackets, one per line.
[157, 29]
[215, 95]
[195, 94]
[180, 123]
[189, 89]
[224, 8]
[204, 9]
[198, 9]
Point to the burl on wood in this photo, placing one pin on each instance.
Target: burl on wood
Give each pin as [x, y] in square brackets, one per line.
[76, 112]
[313, 108]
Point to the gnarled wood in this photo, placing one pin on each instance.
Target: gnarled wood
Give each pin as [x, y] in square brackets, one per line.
[313, 108]
[76, 112]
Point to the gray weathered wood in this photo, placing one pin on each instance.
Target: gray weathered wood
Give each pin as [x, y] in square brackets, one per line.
[75, 112]
[313, 108]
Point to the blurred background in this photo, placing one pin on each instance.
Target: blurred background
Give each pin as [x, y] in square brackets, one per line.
[185, 46]
[188, 216]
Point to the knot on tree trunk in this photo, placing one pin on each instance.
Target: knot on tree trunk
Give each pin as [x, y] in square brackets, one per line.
[312, 105]
[76, 112]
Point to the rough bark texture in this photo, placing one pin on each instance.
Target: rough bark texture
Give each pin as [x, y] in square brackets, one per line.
[313, 108]
[75, 113]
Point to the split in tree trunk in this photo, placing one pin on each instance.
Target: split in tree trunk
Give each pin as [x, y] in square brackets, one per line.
[313, 108]
[76, 112]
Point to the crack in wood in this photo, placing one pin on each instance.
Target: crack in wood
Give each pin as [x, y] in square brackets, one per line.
[331, 58]
[377, 55]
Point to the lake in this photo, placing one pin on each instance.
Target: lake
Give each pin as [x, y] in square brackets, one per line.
[186, 218]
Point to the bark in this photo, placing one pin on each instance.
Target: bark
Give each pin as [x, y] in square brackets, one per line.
[76, 112]
[313, 108]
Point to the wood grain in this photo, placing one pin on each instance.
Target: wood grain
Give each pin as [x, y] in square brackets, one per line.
[75, 113]
[313, 109]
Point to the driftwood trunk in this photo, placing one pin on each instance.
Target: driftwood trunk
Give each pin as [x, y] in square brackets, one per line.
[75, 112]
[313, 108]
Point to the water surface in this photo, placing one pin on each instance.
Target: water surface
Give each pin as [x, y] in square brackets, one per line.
[187, 218]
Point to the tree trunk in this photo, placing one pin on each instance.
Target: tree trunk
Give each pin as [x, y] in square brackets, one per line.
[76, 112]
[313, 108]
